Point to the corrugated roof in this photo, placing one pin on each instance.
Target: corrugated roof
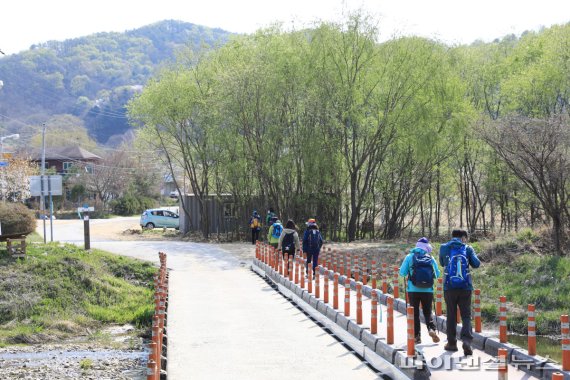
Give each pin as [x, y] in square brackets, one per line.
[62, 153]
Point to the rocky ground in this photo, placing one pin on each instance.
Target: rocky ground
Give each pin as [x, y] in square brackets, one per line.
[117, 353]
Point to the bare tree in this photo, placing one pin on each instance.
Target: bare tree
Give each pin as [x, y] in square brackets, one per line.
[536, 150]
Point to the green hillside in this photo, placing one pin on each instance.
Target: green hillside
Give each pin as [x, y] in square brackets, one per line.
[92, 77]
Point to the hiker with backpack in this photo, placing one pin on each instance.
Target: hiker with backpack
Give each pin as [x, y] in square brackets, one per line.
[289, 241]
[312, 243]
[274, 232]
[456, 257]
[255, 225]
[422, 271]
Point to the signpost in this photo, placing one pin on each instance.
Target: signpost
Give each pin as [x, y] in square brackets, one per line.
[46, 185]
[85, 209]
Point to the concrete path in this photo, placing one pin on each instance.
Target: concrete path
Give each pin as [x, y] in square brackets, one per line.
[226, 322]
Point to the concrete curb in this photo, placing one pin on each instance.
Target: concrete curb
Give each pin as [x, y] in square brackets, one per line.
[534, 365]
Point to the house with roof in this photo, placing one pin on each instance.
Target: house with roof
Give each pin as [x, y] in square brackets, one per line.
[63, 160]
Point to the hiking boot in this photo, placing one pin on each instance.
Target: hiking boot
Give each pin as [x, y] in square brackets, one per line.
[467, 350]
[418, 339]
[450, 346]
[434, 336]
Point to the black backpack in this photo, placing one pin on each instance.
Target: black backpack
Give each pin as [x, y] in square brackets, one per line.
[288, 243]
[422, 271]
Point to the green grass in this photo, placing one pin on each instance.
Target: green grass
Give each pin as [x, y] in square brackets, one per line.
[526, 279]
[60, 291]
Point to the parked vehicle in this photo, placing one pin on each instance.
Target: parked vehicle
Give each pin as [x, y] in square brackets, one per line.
[159, 218]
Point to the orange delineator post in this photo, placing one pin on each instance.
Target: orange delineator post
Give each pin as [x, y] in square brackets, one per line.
[503, 319]
[503, 366]
[347, 297]
[557, 376]
[359, 303]
[373, 274]
[395, 284]
[342, 263]
[364, 265]
[357, 268]
[439, 297]
[326, 290]
[151, 373]
[477, 310]
[384, 278]
[411, 336]
[310, 279]
[531, 330]
[565, 332]
[348, 265]
[458, 316]
[390, 320]
[296, 270]
[302, 273]
[374, 312]
[151, 370]
[318, 282]
[335, 291]
[334, 261]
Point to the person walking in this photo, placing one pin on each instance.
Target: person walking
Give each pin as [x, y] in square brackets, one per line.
[456, 257]
[312, 243]
[274, 232]
[421, 270]
[255, 225]
[289, 241]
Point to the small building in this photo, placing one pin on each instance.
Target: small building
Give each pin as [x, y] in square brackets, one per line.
[63, 159]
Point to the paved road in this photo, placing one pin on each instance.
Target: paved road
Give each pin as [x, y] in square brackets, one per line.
[226, 322]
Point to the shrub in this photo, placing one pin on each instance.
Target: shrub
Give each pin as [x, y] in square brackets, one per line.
[16, 219]
[127, 205]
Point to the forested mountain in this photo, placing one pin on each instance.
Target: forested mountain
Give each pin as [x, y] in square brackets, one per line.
[91, 77]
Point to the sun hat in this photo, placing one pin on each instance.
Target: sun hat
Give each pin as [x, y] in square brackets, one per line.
[423, 243]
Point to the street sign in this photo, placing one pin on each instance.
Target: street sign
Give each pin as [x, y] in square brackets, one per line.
[52, 185]
[85, 209]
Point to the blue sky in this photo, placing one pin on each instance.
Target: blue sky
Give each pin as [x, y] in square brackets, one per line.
[25, 22]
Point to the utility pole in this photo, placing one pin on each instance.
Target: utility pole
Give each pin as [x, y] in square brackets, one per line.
[43, 170]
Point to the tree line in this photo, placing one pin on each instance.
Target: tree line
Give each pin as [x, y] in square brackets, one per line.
[381, 138]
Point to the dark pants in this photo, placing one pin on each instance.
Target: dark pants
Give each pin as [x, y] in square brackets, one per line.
[254, 235]
[426, 299]
[453, 299]
[314, 258]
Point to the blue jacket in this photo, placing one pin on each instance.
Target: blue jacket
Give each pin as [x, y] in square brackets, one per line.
[444, 250]
[306, 247]
[406, 270]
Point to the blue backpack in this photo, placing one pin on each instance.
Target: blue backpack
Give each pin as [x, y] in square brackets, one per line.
[314, 240]
[422, 271]
[457, 270]
[277, 229]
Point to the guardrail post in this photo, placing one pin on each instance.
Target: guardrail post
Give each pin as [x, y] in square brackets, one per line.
[503, 319]
[318, 282]
[335, 291]
[359, 303]
[439, 297]
[373, 274]
[347, 296]
[531, 330]
[395, 284]
[384, 278]
[565, 332]
[477, 310]
[411, 336]
[390, 320]
[503, 366]
[326, 291]
[374, 312]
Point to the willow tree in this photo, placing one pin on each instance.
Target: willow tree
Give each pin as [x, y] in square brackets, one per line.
[177, 116]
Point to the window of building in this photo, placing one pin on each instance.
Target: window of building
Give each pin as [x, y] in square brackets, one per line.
[67, 166]
[89, 168]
